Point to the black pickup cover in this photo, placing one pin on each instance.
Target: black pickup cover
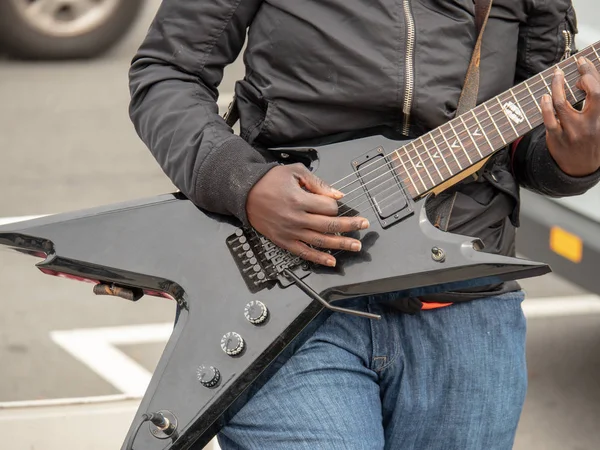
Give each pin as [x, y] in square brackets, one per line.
[383, 188]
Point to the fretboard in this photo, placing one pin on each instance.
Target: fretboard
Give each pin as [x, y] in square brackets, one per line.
[450, 149]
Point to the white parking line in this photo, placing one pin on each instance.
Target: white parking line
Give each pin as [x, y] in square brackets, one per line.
[96, 348]
[579, 305]
[7, 220]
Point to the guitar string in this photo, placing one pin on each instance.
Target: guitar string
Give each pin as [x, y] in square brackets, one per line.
[465, 131]
[535, 91]
[485, 123]
[404, 180]
[488, 121]
[369, 212]
[543, 80]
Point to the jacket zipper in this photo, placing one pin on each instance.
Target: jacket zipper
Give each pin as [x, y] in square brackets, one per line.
[409, 67]
[568, 42]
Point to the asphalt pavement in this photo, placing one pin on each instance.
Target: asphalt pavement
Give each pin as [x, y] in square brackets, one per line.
[67, 143]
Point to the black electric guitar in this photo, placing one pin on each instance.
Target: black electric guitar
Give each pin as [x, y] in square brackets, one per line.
[243, 300]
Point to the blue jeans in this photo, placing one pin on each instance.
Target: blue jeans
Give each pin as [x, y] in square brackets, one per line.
[450, 378]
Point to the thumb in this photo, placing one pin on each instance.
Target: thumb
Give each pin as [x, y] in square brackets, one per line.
[317, 186]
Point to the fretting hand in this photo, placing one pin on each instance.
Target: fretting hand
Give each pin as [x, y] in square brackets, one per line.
[573, 137]
[293, 208]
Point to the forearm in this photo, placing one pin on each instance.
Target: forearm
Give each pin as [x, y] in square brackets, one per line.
[173, 81]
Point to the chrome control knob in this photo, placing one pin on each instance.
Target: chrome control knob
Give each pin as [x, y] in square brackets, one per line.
[232, 343]
[256, 312]
[208, 376]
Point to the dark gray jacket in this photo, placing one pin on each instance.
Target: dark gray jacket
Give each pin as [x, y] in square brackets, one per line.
[328, 67]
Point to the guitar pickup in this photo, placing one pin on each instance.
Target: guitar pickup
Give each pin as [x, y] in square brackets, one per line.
[383, 188]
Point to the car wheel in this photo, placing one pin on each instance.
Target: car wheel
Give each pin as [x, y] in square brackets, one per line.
[64, 29]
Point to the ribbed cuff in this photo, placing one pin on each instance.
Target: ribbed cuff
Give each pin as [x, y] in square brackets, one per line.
[227, 175]
[553, 180]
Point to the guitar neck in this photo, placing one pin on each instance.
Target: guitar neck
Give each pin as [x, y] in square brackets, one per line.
[453, 148]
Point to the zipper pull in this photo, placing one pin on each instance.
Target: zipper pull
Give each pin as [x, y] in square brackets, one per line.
[568, 42]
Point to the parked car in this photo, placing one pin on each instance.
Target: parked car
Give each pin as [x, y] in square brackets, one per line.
[64, 29]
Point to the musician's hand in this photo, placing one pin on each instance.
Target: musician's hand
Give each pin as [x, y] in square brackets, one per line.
[293, 208]
[573, 137]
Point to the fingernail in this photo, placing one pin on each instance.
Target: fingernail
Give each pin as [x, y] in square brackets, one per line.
[338, 194]
[558, 72]
[330, 262]
[364, 224]
[356, 246]
[581, 61]
[546, 98]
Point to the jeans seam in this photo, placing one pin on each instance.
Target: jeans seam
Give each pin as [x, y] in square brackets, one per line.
[387, 361]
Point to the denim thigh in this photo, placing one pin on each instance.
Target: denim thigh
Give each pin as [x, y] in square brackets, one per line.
[451, 378]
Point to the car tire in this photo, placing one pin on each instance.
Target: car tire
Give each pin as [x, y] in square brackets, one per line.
[21, 38]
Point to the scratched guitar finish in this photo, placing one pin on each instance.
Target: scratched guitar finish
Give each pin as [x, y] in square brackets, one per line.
[242, 299]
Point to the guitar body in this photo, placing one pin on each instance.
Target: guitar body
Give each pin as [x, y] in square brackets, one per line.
[212, 268]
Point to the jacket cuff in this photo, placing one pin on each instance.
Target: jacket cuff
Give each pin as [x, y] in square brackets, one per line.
[227, 175]
[553, 181]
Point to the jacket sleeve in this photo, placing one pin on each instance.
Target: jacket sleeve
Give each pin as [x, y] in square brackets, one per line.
[173, 80]
[544, 40]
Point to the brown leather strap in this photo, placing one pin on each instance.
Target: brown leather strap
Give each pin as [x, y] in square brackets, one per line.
[468, 96]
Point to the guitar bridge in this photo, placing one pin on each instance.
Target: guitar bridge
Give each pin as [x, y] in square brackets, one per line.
[261, 263]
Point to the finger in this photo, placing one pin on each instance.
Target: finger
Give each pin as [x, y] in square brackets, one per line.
[552, 124]
[334, 242]
[315, 185]
[585, 66]
[319, 204]
[335, 224]
[589, 83]
[559, 97]
[309, 254]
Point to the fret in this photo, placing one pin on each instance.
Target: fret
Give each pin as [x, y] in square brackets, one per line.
[597, 56]
[406, 171]
[494, 123]
[519, 105]
[567, 81]
[533, 97]
[546, 83]
[431, 159]
[482, 131]
[507, 119]
[459, 142]
[410, 160]
[422, 163]
[439, 152]
[450, 148]
[471, 136]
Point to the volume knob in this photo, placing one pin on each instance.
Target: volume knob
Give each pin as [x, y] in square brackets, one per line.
[256, 312]
[208, 376]
[232, 343]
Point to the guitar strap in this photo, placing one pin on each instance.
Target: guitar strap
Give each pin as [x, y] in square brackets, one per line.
[468, 96]
[470, 90]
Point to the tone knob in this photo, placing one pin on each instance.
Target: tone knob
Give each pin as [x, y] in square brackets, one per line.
[256, 312]
[208, 376]
[232, 343]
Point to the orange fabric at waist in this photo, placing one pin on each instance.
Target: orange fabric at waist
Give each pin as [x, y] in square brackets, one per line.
[432, 305]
